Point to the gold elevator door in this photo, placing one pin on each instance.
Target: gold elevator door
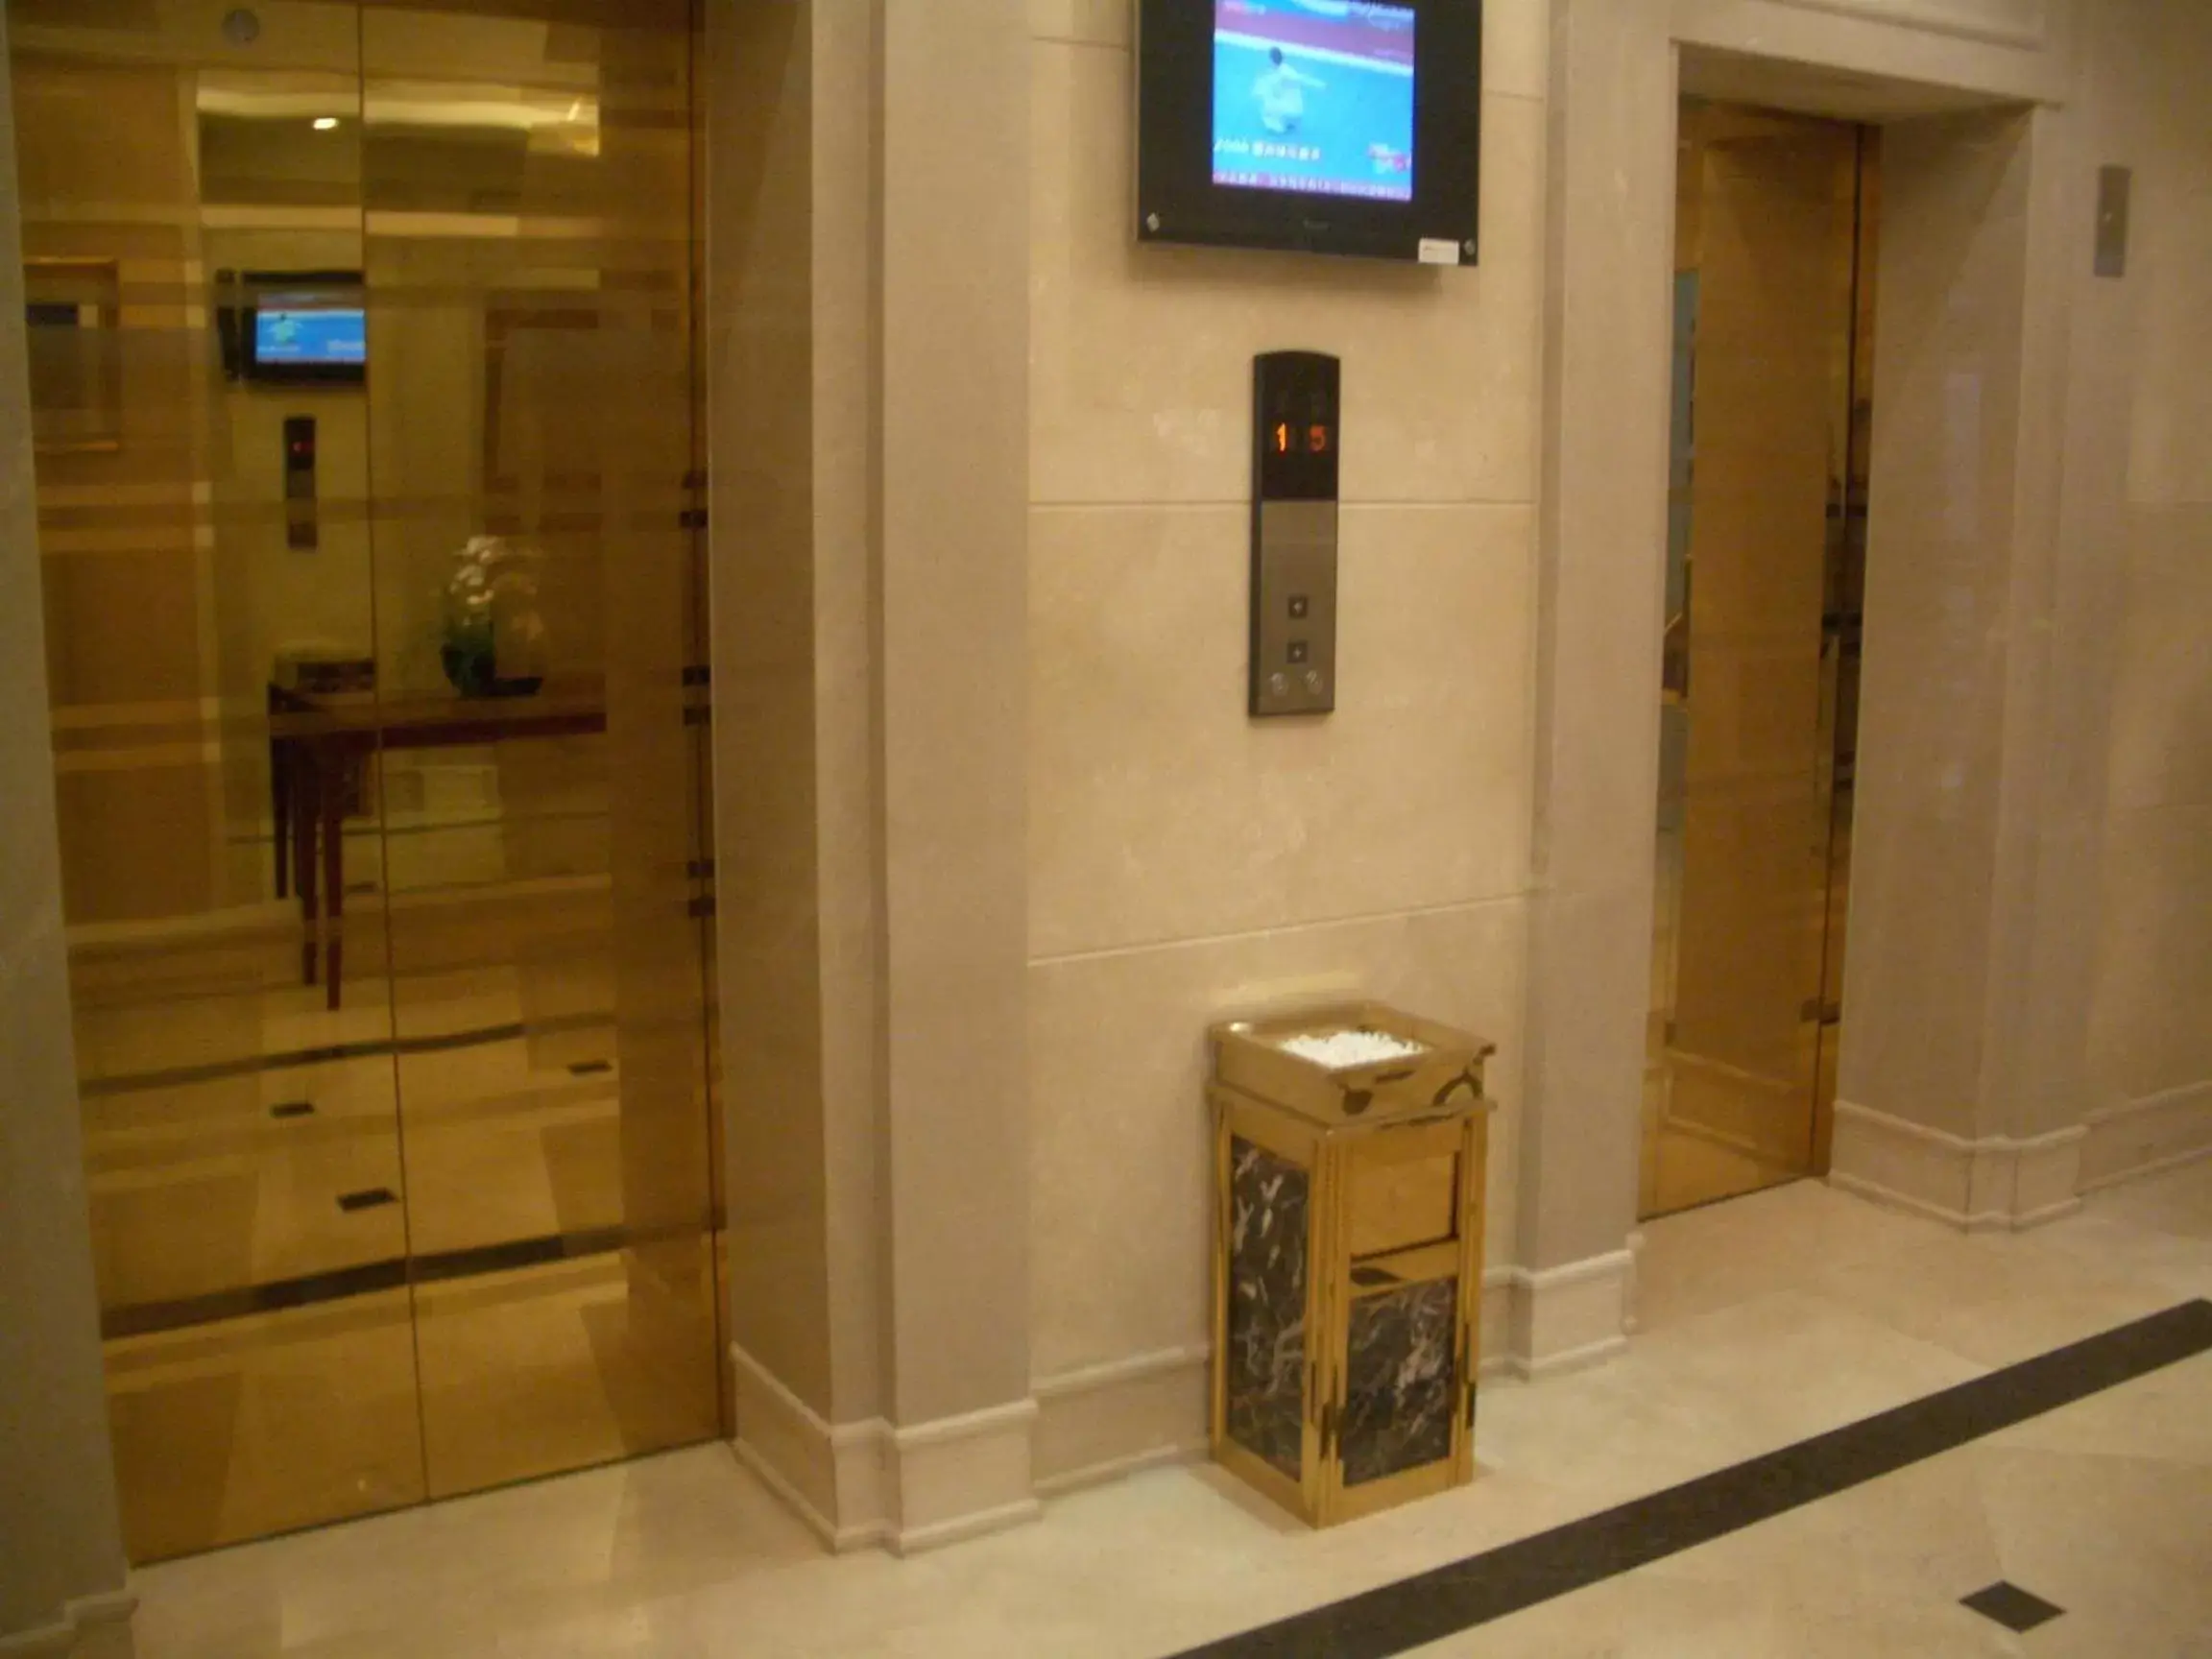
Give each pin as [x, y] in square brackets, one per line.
[363, 349]
[1766, 516]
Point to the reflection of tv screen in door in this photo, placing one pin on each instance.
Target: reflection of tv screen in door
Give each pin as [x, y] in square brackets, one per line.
[1314, 99]
[294, 327]
[299, 335]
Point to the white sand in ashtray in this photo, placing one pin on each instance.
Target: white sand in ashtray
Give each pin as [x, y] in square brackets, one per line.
[1341, 1048]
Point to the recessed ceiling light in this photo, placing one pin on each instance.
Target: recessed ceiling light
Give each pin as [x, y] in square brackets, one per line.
[323, 123]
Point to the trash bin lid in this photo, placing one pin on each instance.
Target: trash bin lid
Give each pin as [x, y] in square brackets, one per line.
[1355, 1063]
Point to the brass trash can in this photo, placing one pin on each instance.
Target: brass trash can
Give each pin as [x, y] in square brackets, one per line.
[1349, 1153]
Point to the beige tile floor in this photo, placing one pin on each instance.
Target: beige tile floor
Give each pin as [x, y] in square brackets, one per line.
[1763, 1320]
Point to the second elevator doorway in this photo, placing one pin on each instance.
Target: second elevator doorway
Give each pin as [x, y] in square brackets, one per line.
[1766, 565]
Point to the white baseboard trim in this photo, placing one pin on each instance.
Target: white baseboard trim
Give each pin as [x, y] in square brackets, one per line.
[2143, 1172]
[1583, 1359]
[2147, 1136]
[77, 1619]
[1992, 1183]
[796, 1501]
[959, 1529]
[1630, 1301]
[929, 1484]
[1112, 1469]
[1099, 1422]
[1572, 1316]
[961, 1476]
[831, 1474]
[867, 1483]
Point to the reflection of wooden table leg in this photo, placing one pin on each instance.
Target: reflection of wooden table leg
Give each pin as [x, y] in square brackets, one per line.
[331, 808]
[301, 774]
[280, 811]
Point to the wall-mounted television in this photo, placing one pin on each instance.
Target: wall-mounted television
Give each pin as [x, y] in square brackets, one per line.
[293, 328]
[1315, 125]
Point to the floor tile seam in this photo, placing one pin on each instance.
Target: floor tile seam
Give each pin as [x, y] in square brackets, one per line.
[1660, 1337]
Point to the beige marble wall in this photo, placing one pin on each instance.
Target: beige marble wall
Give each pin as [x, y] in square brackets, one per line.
[2143, 496]
[1185, 860]
[63, 1544]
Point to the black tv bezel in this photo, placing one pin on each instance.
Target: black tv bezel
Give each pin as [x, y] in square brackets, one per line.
[1178, 202]
[243, 331]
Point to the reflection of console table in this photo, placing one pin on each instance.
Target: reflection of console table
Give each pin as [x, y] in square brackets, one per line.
[318, 748]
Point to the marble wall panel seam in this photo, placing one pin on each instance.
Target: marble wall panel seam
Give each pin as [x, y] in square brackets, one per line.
[1445, 907]
[2032, 31]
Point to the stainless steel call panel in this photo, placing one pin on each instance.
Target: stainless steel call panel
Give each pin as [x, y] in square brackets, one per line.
[1294, 421]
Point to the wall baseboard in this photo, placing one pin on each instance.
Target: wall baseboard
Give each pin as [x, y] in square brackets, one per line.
[2147, 1136]
[1099, 1422]
[865, 1485]
[82, 1627]
[959, 1478]
[1990, 1185]
[1572, 1316]
[929, 1484]
[1112, 1469]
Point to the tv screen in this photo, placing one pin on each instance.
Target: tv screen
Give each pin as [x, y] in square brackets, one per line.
[1316, 101]
[298, 336]
[1319, 126]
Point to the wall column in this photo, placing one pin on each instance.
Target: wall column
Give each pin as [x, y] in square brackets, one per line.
[1608, 259]
[952, 505]
[1962, 1082]
[62, 1565]
[869, 349]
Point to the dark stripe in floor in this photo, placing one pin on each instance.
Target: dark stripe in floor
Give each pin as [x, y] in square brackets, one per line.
[1447, 1600]
[367, 1278]
[247, 1064]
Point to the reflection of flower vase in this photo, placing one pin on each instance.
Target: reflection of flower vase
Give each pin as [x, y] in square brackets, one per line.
[468, 658]
[495, 640]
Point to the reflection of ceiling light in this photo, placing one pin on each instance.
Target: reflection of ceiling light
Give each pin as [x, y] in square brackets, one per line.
[325, 123]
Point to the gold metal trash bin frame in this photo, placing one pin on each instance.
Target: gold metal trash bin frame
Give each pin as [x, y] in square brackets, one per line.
[1348, 1262]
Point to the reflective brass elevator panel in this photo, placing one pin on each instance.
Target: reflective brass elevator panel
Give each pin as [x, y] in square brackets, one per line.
[1773, 345]
[364, 381]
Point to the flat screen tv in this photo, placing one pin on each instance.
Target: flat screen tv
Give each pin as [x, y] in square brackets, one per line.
[291, 327]
[1315, 125]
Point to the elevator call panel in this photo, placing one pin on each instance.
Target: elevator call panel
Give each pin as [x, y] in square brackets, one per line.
[1294, 432]
[301, 532]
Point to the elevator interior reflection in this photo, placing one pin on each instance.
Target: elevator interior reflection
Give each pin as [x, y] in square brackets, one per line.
[363, 379]
[1775, 223]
